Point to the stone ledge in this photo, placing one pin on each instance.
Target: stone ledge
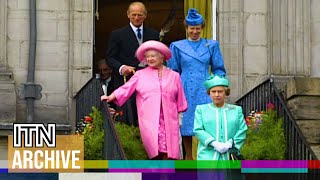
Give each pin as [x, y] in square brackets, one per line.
[310, 130]
[304, 107]
[303, 86]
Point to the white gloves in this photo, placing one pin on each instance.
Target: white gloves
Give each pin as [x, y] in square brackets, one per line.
[221, 147]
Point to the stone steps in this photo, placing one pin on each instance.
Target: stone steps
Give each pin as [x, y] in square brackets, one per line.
[303, 101]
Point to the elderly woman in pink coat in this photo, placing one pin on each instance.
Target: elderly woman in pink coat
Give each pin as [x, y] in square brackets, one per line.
[160, 99]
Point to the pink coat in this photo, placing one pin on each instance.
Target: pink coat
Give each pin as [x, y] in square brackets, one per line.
[146, 84]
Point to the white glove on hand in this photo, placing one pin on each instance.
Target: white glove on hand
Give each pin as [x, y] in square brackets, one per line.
[217, 145]
[226, 147]
[220, 147]
[228, 144]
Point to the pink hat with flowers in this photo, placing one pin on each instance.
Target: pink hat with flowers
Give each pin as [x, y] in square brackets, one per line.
[153, 45]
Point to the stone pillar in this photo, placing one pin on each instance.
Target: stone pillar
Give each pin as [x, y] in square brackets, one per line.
[289, 32]
[315, 38]
[255, 44]
[3, 34]
[80, 50]
[7, 89]
[230, 30]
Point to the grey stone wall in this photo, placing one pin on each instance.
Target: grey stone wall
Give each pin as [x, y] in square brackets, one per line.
[268, 38]
[315, 38]
[63, 55]
[3, 30]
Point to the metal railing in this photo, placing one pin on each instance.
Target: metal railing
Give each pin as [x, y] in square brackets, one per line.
[89, 96]
[297, 147]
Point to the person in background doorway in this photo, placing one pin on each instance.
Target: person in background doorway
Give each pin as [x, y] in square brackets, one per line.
[121, 58]
[192, 58]
[105, 72]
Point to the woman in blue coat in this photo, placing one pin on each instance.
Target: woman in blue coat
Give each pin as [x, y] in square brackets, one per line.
[218, 125]
[192, 58]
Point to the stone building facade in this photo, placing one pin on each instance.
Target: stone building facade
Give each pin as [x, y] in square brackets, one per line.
[258, 38]
[63, 56]
[269, 38]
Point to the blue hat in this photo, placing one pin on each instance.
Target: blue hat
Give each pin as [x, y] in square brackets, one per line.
[216, 80]
[193, 18]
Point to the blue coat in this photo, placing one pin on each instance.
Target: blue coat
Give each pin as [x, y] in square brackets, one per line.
[194, 69]
[218, 124]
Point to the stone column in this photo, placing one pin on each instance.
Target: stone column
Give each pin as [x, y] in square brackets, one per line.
[230, 30]
[315, 38]
[3, 34]
[289, 32]
[80, 50]
[255, 44]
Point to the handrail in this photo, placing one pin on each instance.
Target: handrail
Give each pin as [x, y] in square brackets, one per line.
[112, 145]
[88, 96]
[297, 146]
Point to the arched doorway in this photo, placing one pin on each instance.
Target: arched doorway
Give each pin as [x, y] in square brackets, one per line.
[112, 15]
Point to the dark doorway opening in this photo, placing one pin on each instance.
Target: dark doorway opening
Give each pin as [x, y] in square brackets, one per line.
[112, 15]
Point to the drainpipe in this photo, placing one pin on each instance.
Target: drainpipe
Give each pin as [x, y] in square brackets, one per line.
[29, 90]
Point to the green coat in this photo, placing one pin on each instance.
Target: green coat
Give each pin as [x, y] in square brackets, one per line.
[218, 124]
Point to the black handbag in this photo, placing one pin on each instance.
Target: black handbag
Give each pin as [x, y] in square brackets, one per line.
[234, 153]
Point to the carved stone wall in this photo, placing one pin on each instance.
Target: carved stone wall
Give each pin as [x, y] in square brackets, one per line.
[268, 38]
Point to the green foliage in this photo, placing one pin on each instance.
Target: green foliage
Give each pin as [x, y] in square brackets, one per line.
[131, 141]
[265, 141]
[94, 137]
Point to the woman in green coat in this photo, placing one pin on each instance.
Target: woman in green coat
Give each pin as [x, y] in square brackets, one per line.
[218, 125]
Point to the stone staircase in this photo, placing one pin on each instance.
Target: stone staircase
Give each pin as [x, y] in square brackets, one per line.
[303, 100]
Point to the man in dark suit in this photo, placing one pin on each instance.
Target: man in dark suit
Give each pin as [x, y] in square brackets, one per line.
[121, 57]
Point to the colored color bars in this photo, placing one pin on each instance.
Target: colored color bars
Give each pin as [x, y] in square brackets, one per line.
[154, 166]
[274, 166]
[171, 166]
[204, 164]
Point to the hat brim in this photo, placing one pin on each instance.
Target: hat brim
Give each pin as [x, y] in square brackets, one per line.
[153, 45]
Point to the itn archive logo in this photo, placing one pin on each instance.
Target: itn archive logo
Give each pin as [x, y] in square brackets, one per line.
[37, 148]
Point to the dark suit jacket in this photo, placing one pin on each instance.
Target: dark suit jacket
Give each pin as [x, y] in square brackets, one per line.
[122, 47]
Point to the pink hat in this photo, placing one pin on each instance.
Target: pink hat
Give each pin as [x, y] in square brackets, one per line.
[153, 45]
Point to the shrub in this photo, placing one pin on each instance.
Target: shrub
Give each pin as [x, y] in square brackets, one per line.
[265, 137]
[131, 141]
[93, 136]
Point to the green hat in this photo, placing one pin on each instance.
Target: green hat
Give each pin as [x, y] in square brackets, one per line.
[216, 80]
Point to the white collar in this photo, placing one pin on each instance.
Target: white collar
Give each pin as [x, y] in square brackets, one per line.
[134, 28]
[108, 80]
[194, 40]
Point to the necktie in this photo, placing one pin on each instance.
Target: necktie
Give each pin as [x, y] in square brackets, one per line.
[139, 34]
